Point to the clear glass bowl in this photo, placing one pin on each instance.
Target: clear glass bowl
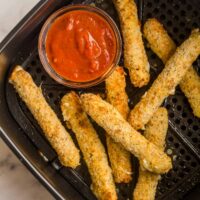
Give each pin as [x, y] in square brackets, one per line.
[42, 48]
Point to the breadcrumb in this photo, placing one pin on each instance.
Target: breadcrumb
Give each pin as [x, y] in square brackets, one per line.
[155, 132]
[174, 70]
[161, 43]
[120, 159]
[93, 150]
[135, 58]
[121, 132]
[54, 131]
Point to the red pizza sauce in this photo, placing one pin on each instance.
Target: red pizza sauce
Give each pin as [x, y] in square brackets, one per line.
[80, 46]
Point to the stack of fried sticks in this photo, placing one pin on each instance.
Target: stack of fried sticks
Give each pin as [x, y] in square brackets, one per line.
[122, 126]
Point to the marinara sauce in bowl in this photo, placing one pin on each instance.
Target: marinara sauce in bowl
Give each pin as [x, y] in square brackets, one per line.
[79, 46]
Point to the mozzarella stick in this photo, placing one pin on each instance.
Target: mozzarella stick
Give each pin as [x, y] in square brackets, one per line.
[156, 130]
[93, 150]
[165, 84]
[120, 159]
[190, 85]
[161, 43]
[152, 158]
[158, 39]
[135, 58]
[54, 131]
[115, 90]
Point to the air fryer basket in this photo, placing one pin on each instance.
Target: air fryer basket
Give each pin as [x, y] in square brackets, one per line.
[24, 136]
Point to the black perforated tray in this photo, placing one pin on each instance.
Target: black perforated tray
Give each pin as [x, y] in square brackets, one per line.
[24, 136]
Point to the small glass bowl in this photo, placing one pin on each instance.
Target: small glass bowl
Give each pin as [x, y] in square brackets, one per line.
[42, 49]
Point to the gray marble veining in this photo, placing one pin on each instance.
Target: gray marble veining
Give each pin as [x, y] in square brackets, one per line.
[16, 182]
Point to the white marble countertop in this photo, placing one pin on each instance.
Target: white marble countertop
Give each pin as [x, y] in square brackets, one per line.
[16, 182]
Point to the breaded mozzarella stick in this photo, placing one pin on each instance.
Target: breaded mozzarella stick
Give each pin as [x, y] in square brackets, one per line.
[115, 90]
[161, 43]
[120, 159]
[135, 58]
[155, 132]
[121, 132]
[93, 150]
[54, 131]
[174, 70]
[190, 85]
[158, 39]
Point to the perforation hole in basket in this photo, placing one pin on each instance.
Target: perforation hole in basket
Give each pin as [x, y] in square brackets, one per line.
[34, 66]
[196, 66]
[195, 140]
[189, 134]
[149, 15]
[162, 17]
[176, 6]
[182, 37]
[182, 163]
[182, 151]
[122, 192]
[38, 70]
[188, 158]
[184, 114]
[169, 23]
[43, 78]
[195, 128]
[183, 119]
[189, 7]
[28, 69]
[56, 102]
[149, 4]
[50, 95]
[183, 127]
[54, 97]
[195, 13]
[156, 11]
[34, 76]
[163, 6]
[33, 63]
[171, 115]
[168, 106]
[183, 13]
[177, 121]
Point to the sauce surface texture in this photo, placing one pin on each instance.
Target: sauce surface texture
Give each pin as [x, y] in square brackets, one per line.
[80, 46]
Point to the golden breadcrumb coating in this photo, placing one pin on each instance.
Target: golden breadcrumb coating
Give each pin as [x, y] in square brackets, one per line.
[190, 85]
[135, 58]
[93, 150]
[54, 131]
[161, 43]
[120, 159]
[156, 130]
[152, 158]
[166, 82]
[158, 39]
[115, 90]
